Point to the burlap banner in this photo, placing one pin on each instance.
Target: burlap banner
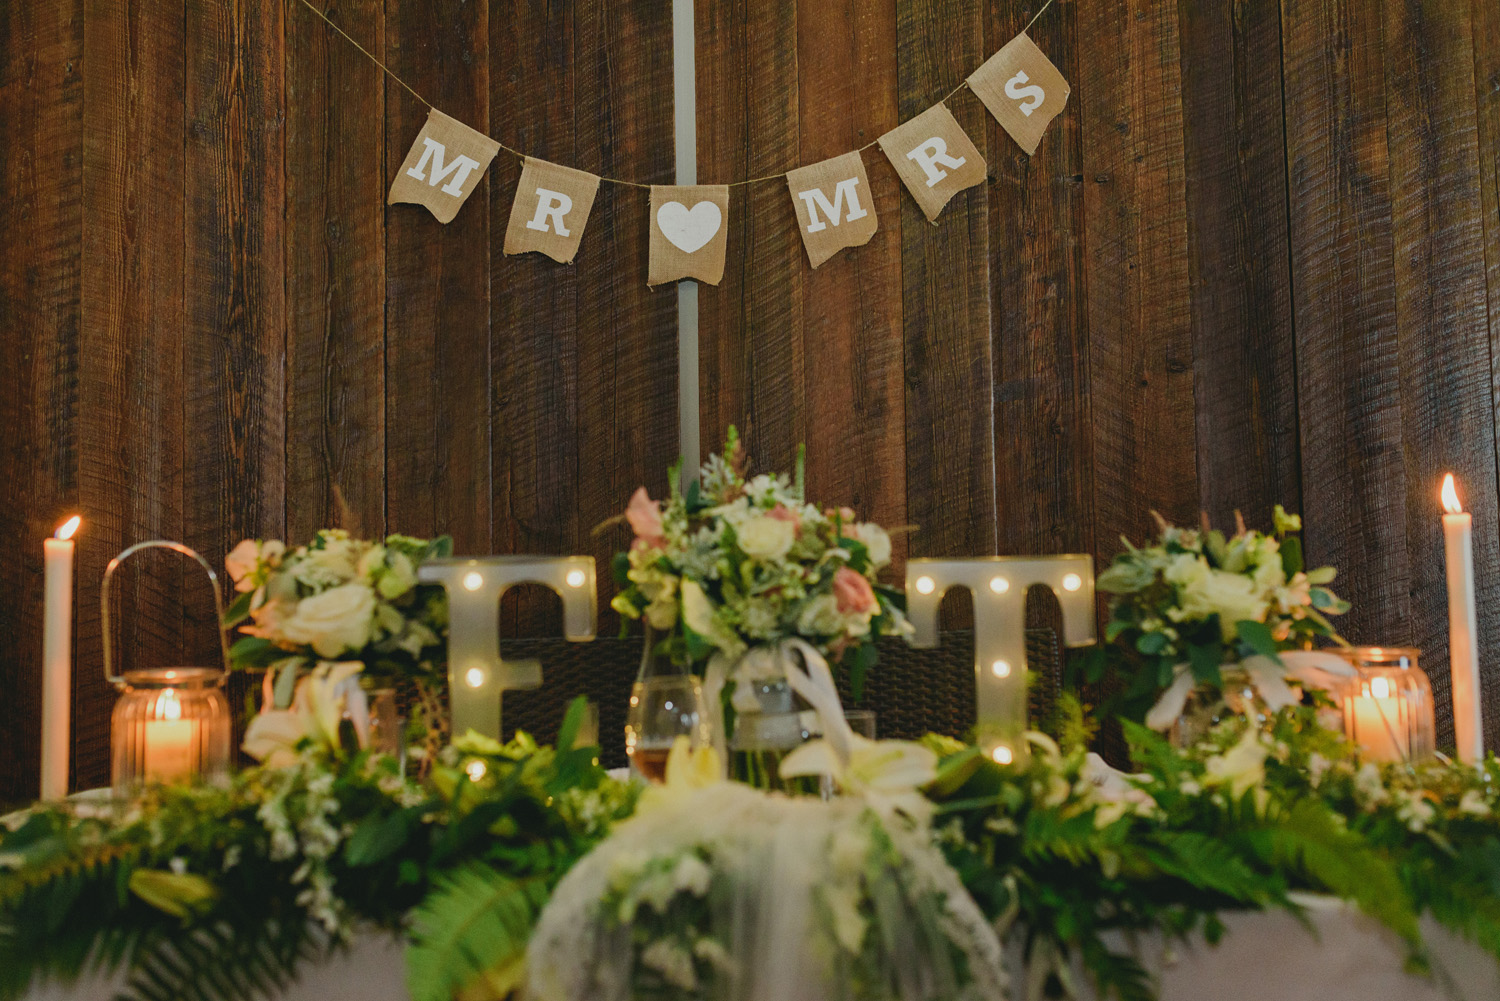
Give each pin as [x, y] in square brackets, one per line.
[934, 158]
[834, 207]
[1022, 89]
[550, 211]
[443, 167]
[689, 231]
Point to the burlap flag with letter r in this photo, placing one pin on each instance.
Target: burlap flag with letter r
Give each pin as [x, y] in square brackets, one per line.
[834, 206]
[934, 158]
[443, 167]
[551, 208]
[1022, 89]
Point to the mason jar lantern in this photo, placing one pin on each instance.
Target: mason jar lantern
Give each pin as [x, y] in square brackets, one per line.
[171, 723]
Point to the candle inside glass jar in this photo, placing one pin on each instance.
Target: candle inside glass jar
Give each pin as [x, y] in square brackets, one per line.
[169, 741]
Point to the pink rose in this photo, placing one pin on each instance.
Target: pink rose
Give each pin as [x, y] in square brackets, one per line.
[852, 592]
[644, 515]
[783, 513]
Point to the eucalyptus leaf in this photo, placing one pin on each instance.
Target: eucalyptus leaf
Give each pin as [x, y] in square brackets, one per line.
[1257, 636]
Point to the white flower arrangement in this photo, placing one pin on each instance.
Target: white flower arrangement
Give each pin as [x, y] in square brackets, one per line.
[737, 563]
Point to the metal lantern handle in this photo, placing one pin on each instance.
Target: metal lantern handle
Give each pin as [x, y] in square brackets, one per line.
[109, 571]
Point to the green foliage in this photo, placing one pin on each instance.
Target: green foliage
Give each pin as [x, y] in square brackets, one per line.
[471, 931]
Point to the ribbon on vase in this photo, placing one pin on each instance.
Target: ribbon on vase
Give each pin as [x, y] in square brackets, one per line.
[814, 684]
[1314, 668]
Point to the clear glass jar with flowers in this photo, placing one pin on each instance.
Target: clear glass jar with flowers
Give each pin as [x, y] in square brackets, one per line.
[751, 586]
[1202, 626]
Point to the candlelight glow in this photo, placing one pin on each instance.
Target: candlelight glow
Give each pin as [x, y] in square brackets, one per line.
[1450, 496]
[167, 706]
[67, 528]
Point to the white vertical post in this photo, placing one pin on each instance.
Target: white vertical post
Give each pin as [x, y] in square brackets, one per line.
[685, 124]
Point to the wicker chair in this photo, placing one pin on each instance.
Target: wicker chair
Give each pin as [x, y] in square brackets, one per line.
[913, 692]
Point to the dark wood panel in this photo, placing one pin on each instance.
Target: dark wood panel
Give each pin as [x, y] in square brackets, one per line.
[335, 270]
[627, 341]
[41, 162]
[1349, 399]
[235, 315]
[1487, 92]
[130, 416]
[534, 323]
[1447, 402]
[945, 304]
[1246, 387]
[852, 398]
[1043, 427]
[437, 289]
[1129, 94]
[750, 352]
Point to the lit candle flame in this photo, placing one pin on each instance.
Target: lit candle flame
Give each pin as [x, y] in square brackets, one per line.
[167, 706]
[67, 528]
[1450, 496]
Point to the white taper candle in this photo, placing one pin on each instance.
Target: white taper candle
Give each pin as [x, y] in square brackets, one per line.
[57, 660]
[1458, 546]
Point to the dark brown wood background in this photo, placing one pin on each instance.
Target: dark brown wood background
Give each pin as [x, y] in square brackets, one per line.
[1255, 260]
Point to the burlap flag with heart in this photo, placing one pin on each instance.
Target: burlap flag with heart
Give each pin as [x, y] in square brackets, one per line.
[689, 230]
[934, 158]
[834, 206]
[1022, 89]
[550, 211]
[443, 167]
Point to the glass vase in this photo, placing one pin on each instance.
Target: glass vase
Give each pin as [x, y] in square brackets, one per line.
[170, 725]
[666, 703]
[1388, 708]
[770, 722]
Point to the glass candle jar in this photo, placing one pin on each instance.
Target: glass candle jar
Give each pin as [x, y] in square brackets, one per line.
[1388, 707]
[170, 725]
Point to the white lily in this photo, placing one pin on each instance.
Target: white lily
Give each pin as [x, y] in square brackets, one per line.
[887, 774]
[317, 709]
[1312, 668]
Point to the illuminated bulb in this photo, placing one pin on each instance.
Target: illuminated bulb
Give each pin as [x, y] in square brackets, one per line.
[575, 578]
[474, 677]
[1000, 669]
[1072, 582]
[1002, 755]
[475, 769]
[67, 528]
[999, 585]
[473, 581]
[1380, 688]
[926, 585]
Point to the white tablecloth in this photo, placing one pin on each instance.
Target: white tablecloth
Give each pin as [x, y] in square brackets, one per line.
[1264, 957]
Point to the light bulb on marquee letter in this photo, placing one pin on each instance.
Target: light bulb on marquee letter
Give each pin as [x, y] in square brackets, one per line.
[998, 585]
[477, 673]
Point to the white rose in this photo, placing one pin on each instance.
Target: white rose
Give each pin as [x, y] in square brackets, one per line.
[821, 617]
[876, 541]
[334, 622]
[765, 538]
[334, 564]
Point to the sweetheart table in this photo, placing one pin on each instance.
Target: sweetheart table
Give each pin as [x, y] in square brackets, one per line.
[1264, 956]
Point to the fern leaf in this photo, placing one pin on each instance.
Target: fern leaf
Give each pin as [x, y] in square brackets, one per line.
[476, 921]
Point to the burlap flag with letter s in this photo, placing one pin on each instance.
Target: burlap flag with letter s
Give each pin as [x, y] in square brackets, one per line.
[1022, 89]
[443, 167]
[834, 206]
[689, 230]
[934, 158]
[550, 211]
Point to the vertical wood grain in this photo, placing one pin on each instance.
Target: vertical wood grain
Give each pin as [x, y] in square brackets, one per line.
[534, 322]
[1240, 274]
[437, 368]
[335, 270]
[1039, 330]
[41, 162]
[945, 304]
[1448, 416]
[1350, 410]
[627, 342]
[852, 398]
[1139, 317]
[750, 353]
[235, 315]
[130, 348]
[1487, 95]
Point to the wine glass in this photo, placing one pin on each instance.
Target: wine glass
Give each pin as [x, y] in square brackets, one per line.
[665, 703]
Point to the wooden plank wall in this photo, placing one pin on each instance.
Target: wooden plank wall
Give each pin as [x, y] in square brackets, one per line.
[1255, 260]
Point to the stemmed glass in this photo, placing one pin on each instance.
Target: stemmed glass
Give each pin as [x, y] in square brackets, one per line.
[665, 703]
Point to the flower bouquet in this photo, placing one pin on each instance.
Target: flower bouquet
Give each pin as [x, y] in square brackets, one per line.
[340, 600]
[1232, 620]
[736, 572]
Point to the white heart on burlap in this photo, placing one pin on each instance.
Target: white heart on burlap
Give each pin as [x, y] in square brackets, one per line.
[689, 229]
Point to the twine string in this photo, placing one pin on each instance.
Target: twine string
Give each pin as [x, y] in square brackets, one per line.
[607, 180]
